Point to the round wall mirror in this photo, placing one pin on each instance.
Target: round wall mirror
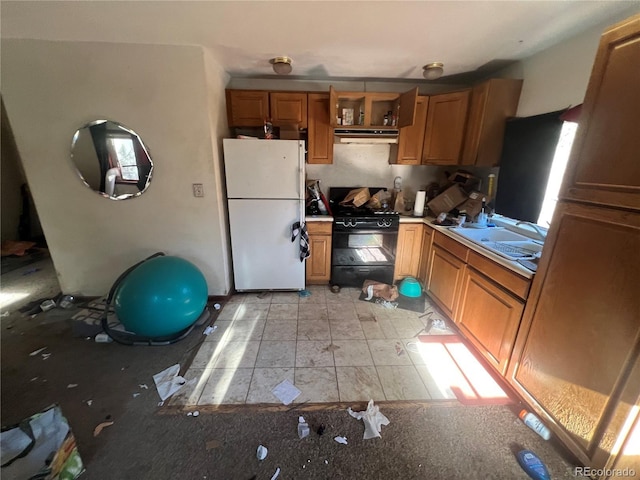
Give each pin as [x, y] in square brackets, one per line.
[111, 159]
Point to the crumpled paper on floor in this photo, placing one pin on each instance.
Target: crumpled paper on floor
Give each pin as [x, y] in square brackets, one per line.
[373, 420]
[169, 382]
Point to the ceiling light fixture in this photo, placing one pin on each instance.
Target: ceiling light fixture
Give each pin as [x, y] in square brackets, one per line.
[433, 71]
[281, 65]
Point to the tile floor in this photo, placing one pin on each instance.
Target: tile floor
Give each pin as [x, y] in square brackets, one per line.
[333, 347]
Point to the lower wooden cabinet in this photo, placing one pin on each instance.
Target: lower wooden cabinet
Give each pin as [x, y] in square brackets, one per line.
[445, 279]
[489, 317]
[576, 359]
[408, 250]
[318, 267]
[425, 252]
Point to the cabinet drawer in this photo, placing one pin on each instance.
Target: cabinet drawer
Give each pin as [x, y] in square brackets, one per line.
[505, 278]
[451, 246]
[319, 228]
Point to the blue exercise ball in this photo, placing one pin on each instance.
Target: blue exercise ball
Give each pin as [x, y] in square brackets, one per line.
[161, 297]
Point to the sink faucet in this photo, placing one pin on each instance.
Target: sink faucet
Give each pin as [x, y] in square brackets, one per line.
[543, 235]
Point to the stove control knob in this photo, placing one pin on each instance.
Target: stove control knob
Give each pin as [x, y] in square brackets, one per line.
[381, 223]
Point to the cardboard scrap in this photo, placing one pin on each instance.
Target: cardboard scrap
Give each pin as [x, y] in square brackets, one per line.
[101, 427]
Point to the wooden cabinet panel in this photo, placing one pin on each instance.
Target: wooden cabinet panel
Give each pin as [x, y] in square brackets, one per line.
[320, 132]
[247, 108]
[603, 167]
[288, 108]
[445, 279]
[444, 134]
[425, 253]
[318, 266]
[580, 330]
[504, 277]
[410, 141]
[491, 104]
[489, 316]
[408, 250]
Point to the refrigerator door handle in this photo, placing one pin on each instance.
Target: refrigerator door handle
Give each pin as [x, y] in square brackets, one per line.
[302, 181]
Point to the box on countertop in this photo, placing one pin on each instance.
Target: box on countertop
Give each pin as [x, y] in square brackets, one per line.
[447, 200]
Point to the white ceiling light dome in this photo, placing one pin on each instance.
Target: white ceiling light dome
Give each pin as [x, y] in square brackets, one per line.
[281, 65]
[433, 71]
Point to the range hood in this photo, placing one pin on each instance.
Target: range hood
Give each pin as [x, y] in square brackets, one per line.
[366, 136]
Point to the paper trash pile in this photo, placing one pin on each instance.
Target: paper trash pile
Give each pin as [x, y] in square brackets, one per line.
[373, 420]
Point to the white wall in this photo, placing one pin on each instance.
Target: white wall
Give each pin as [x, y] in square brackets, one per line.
[52, 88]
[557, 77]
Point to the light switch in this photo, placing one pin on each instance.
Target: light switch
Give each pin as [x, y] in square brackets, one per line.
[198, 190]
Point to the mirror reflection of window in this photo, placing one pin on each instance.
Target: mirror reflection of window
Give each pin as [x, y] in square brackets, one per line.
[123, 152]
[111, 159]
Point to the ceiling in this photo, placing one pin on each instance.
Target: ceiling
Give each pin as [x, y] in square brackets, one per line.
[357, 39]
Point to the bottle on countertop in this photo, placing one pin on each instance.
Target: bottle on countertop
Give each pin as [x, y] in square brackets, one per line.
[534, 423]
[482, 216]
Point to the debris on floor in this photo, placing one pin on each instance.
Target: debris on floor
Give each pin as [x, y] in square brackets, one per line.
[275, 475]
[195, 413]
[101, 427]
[49, 451]
[72, 385]
[135, 395]
[143, 386]
[330, 348]
[36, 352]
[342, 440]
[286, 392]
[303, 427]
[373, 420]
[262, 452]
[320, 430]
[168, 381]
[209, 330]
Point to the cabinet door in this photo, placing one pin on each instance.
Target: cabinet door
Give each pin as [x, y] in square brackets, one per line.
[581, 329]
[411, 138]
[445, 279]
[603, 167]
[319, 262]
[320, 132]
[407, 104]
[491, 104]
[425, 253]
[489, 317]
[288, 108]
[247, 108]
[444, 134]
[408, 251]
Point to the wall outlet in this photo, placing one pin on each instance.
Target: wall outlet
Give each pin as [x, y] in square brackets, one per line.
[198, 190]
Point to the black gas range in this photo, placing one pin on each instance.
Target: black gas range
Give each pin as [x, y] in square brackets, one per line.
[363, 241]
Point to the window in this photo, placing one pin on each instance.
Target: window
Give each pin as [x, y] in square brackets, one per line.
[558, 166]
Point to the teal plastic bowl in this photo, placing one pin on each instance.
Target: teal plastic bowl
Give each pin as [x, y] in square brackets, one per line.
[410, 287]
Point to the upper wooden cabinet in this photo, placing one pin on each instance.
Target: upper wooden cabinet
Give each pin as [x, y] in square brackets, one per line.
[604, 166]
[491, 104]
[288, 108]
[250, 108]
[320, 132]
[247, 108]
[444, 134]
[368, 109]
[409, 149]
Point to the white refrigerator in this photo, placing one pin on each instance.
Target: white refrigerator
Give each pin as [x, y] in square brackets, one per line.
[266, 193]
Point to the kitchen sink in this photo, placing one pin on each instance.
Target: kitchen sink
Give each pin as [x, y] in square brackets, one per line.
[501, 241]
